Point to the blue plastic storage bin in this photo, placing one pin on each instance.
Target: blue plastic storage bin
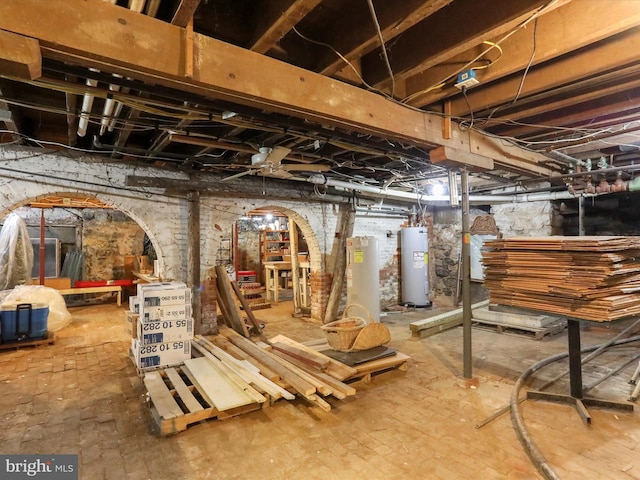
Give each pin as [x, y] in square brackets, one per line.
[22, 321]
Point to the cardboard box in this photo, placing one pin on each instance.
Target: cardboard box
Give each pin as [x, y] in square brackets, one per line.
[131, 324]
[134, 304]
[159, 286]
[164, 297]
[161, 354]
[169, 312]
[164, 331]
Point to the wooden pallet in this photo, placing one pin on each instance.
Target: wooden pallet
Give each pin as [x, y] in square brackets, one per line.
[538, 333]
[176, 403]
[51, 339]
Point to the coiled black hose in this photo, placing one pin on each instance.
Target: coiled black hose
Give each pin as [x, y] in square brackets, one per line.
[529, 446]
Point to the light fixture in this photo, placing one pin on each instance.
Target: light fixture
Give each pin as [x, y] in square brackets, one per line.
[269, 217]
[226, 115]
[437, 190]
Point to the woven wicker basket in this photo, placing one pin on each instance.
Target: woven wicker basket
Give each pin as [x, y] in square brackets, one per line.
[342, 333]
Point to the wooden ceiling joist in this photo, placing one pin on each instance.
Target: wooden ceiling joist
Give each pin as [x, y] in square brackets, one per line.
[558, 32]
[120, 41]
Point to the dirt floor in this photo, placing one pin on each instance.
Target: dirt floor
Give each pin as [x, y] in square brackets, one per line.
[83, 395]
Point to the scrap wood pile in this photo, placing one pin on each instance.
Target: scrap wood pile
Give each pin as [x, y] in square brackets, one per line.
[590, 278]
[232, 374]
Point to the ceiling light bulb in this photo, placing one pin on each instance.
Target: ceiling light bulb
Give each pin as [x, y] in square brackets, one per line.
[437, 190]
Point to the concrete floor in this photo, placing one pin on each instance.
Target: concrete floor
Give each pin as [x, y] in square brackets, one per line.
[82, 395]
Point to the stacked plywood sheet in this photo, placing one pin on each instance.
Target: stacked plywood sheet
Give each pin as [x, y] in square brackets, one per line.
[591, 278]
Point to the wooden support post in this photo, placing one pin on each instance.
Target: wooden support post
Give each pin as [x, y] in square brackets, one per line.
[348, 219]
[193, 257]
[295, 265]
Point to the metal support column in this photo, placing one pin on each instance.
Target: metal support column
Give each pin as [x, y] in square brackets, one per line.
[466, 283]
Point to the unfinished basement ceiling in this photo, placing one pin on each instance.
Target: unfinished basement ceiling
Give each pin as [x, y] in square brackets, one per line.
[553, 80]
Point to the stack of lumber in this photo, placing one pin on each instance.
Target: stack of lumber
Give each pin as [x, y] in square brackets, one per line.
[590, 278]
[310, 374]
[232, 375]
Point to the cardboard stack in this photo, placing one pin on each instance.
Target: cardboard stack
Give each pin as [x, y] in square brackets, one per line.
[161, 324]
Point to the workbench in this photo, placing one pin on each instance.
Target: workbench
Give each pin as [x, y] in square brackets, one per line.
[272, 276]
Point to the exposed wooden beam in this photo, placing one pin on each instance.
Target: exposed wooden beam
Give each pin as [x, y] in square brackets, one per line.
[607, 56]
[19, 56]
[558, 32]
[440, 39]
[591, 110]
[353, 39]
[184, 12]
[279, 17]
[119, 41]
[449, 157]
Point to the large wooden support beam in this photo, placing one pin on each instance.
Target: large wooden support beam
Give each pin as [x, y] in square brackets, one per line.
[19, 56]
[116, 40]
[449, 157]
[558, 32]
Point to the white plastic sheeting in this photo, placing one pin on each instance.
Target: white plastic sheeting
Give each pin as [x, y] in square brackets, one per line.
[59, 316]
[16, 253]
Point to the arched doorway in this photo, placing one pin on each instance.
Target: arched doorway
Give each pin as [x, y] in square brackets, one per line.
[276, 251]
[78, 237]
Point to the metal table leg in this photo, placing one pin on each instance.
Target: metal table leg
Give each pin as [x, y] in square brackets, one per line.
[575, 381]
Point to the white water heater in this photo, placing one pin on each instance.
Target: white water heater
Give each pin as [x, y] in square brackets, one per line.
[414, 250]
[363, 277]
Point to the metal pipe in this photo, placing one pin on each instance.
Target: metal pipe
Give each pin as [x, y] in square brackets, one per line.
[107, 110]
[87, 104]
[42, 249]
[466, 284]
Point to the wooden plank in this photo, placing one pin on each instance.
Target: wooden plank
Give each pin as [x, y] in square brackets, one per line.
[216, 388]
[161, 398]
[246, 370]
[334, 368]
[382, 364]
[301, 355]
[231, 373]
[589, 278]
[247, 308]
[184, 13]
[340, 389]
[222, 71]
[183, 391]
[443, 318]
[299, 384]
[319, 385]
[225, 298]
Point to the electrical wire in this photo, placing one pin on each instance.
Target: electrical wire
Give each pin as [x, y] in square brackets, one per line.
[347, 62]
[444, 81]
[468, 65]
[383, 46]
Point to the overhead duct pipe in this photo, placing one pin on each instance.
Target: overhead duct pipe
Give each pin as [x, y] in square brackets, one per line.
[87, 105]
[108, 109]
[475, 199]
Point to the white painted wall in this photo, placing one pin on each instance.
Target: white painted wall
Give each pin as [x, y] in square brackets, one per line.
[27, 174]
